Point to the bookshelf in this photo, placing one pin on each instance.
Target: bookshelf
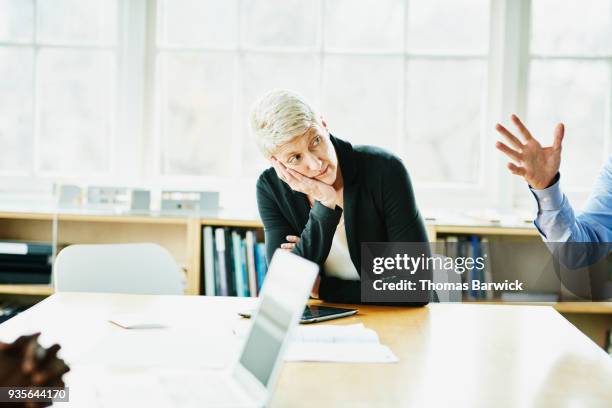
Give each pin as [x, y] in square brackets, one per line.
[181, 235]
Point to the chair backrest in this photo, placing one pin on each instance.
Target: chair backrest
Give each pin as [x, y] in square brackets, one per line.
[117, 268]
[446, 276]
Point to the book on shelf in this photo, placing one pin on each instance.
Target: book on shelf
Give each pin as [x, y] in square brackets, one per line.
[25, 248]
[240, 283]
[233, 264]
[529, 297]
[208, 252]
[472, 247]
[488, 270]
[249, 242]
[220, 267]
[260, 263]
[246, 292]
[473, 253]
[229, 264]
[25, 262]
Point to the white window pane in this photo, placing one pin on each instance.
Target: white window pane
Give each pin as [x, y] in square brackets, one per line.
[196, 113]
[16, 108]
[198, 23]
[571, 26]
[276, 23]
[573, 93]
[16, 20]
[452, 25]
[443, 116]
[74, 108]
[263, 73]
[361, 99]
[365, 24]
[77, 21]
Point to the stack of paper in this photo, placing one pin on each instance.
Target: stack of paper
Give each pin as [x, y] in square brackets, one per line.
[333, 343]
[343, 344]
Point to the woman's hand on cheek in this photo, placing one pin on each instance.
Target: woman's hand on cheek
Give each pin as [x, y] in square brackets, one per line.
[316, 189]
[324, 193]
[279, 168]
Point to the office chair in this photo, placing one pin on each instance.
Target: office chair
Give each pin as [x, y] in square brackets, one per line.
[117, 268]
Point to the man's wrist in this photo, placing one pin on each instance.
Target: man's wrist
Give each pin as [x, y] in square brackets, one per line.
[544, 186]
[549, 198]
[554, 180]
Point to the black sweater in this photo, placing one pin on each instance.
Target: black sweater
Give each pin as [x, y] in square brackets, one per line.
[379, 206]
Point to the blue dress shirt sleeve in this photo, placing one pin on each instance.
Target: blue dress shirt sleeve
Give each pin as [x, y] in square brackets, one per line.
[557, 222]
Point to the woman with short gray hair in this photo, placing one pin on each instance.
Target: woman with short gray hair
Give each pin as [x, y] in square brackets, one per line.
[323, 197]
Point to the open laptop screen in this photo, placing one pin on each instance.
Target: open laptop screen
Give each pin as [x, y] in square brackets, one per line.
[266, 338]
[284, 294]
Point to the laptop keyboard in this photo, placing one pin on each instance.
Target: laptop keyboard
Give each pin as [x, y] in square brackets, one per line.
[188, 390]
[170, 388]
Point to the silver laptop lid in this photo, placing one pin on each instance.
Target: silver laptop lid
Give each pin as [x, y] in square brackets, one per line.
[282, 299]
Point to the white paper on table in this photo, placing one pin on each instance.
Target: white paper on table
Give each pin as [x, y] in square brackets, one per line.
[352, 333]
[136, 321]
[340, 352]
[352, 343]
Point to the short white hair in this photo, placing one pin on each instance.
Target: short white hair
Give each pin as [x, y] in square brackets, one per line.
[279, 116]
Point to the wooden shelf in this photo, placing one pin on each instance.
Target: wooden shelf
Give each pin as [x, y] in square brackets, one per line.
[231, 223]
[584, 307]
[137, 219]
[485, 230]
[26, 216]
[561, 307]
[35, 290]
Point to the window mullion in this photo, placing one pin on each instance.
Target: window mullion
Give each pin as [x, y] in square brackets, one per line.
[508, 64]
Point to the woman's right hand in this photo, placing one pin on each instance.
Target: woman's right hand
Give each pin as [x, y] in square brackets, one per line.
[324, 193]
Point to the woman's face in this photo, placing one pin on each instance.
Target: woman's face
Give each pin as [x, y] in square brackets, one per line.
[311, 154]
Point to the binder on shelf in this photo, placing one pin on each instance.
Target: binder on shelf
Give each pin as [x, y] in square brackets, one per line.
[260, 262]
[25, 262]
[251, 270]
[488, 272]
[221, 270]
[208, 244]
[243, 268]
[237, 261]
[25, 248]
[229, 263]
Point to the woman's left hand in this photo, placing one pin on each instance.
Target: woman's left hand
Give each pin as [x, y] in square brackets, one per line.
[324, 193]
[292, 242]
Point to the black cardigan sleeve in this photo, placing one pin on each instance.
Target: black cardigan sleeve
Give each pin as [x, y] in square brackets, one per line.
[402, 218]
[316, 237]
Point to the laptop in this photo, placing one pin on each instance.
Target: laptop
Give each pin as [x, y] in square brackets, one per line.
[248, 382]
[284, 294]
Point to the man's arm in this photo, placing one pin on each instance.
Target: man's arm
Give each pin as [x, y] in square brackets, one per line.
[557, 222]
[576, 240]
